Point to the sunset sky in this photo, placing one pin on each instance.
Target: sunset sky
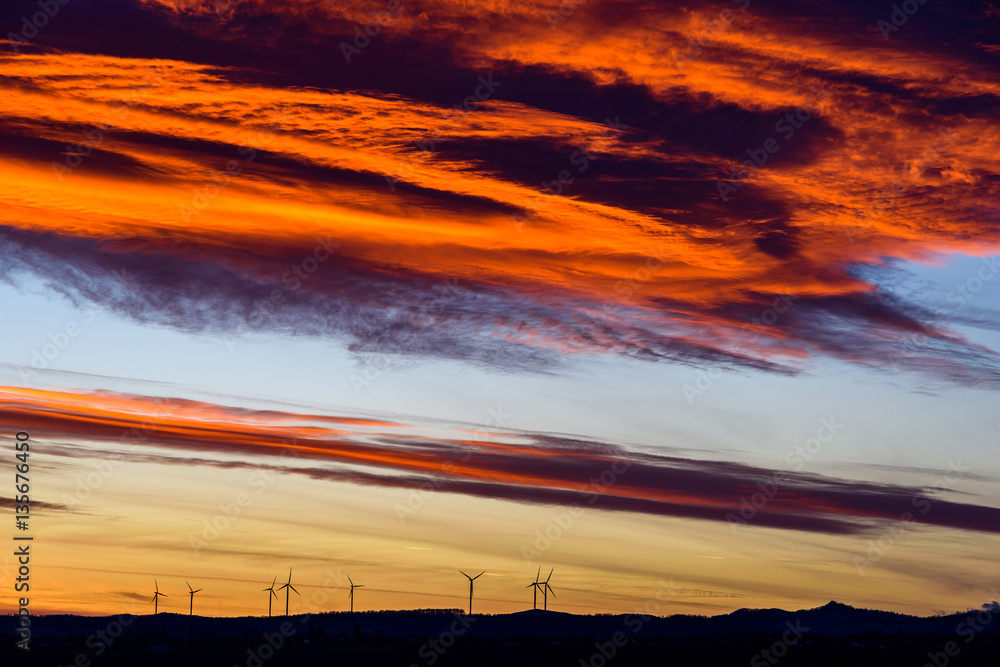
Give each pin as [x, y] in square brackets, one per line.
[693, 302]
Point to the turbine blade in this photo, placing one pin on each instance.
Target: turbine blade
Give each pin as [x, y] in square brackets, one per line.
[293, 588]
[273, 593]
[550, 574]
[198, 591]
[467, 576]
[350, 580]
[479, 575]
[289, 575]
[189, 586]
[154, 598]
[274, 582]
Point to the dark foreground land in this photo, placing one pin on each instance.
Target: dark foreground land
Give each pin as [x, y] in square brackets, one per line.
[527, 652]
[830, 635]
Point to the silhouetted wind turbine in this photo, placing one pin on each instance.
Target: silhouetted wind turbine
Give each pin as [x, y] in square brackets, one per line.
[471, 579]
[535, 585]
[271, 588]
[287, 587]
[353, 586]
[191, 608]
[156, 595]
[546, 589]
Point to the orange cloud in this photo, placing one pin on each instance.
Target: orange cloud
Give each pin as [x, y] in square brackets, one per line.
[519, 467]
[645, 185]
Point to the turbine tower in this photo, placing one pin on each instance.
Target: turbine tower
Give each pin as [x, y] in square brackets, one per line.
[353, 586]
[546, 589]
[287, 588]
[535, 584]
[271, 588]
[156, 595]
[471, 579]
[191, 608]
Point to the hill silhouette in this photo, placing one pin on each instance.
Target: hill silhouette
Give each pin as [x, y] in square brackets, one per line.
[818, 636]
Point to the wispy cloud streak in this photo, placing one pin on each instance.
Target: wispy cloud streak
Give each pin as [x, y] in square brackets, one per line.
[520, 467]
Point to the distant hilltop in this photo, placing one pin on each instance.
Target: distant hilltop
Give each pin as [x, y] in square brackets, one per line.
[831, 620]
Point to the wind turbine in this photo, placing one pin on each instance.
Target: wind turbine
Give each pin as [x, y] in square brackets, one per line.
[271, 588]
[191, 608]
[353, 586]
[471, 579]
[156, 595]
[546, 589]
[287, 587]
[535, 585]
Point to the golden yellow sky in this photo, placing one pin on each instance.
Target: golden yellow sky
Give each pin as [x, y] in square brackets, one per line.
[498, 201]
